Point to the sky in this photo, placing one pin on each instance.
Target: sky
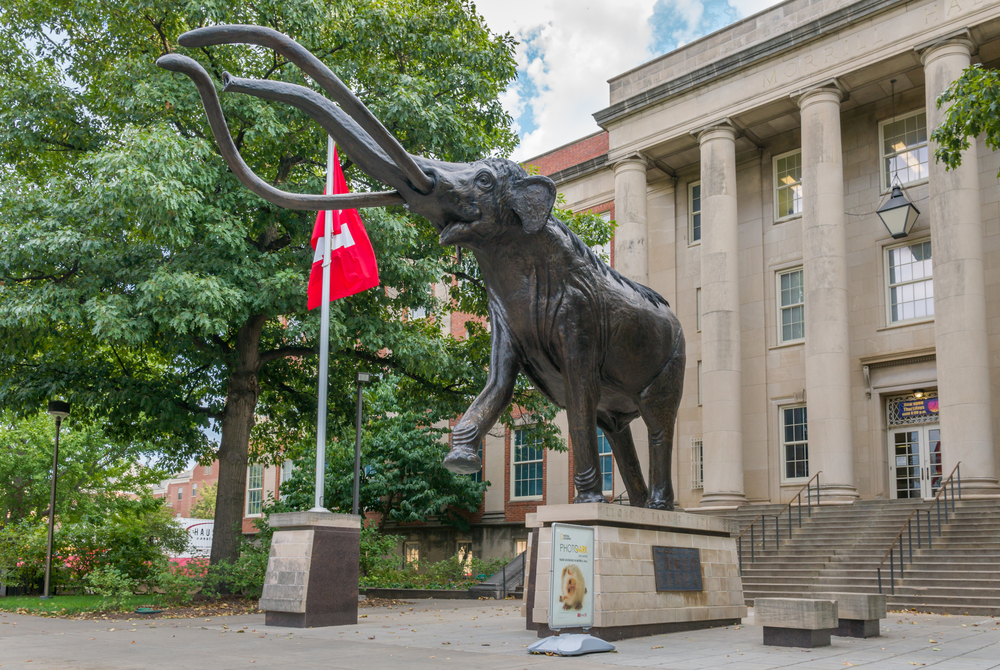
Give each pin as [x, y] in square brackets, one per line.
[568, 49]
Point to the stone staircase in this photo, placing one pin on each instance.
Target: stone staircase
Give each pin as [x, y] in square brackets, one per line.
[839, 548]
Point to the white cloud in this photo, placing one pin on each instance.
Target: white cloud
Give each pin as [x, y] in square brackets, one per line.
[570, 48]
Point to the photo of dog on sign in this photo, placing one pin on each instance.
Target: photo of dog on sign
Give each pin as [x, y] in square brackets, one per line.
[574, 588]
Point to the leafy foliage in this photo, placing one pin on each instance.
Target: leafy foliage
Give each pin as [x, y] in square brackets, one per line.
[94, 471]
[114, 587]
[204, 507]
[402, 450]
[973, 102]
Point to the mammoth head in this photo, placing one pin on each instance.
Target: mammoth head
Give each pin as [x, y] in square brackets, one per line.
[469, 204]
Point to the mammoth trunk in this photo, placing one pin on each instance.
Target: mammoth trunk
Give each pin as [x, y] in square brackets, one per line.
[234, 450]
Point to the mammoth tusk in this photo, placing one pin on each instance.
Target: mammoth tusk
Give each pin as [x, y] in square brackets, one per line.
[322, 75]
[216, 119]
[341, 127]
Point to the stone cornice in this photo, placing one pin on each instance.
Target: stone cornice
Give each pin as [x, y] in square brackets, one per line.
[797, 37]
[579, 170]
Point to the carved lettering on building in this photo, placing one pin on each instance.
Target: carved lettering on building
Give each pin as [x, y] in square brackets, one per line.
[855, 44]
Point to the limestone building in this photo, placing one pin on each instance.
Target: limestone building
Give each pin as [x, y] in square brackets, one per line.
[744, 171]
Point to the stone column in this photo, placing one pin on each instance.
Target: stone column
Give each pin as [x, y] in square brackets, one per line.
[824, 265]
[721, 379]
[631, 249]
[963, 363]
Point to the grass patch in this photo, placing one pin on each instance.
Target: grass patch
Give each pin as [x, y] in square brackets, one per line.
[67, 605]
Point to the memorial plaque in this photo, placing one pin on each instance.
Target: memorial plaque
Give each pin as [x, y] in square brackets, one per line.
[677, 569]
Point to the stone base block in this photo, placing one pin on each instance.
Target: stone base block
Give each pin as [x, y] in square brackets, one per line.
[796, 637]
[857, 628]
[312, 571]
[627, 602]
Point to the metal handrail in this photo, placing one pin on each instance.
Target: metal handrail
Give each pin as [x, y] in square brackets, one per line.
[953, 481]
[777, 532]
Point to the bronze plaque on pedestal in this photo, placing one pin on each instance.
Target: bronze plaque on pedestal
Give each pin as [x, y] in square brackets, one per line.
[677, 569]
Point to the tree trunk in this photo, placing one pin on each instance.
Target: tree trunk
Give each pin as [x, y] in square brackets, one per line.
[234, 450]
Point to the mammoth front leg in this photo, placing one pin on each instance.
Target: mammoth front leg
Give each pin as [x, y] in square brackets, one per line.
[485, 410]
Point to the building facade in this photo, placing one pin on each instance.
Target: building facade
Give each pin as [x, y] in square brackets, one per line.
[744, 171]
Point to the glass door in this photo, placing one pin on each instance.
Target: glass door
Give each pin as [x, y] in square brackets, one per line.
[915, 461]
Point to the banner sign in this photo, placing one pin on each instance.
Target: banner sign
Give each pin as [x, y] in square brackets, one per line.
[199, 537]
[910, 409]
[677, 569]
[571, 583]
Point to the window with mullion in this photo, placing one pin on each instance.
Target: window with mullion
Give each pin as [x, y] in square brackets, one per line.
[255, 489]
[910, 282]
[904, 150]
[694, 212]
[791, 306]
[788, 185]
[528, 466]
[795, 442]
[607, 460]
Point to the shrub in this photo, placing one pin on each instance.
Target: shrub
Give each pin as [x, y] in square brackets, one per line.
[180, 583]
[114, 586]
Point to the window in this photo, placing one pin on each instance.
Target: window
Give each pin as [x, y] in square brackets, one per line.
[478, 476]
[194, 490]
[697, 463]
[180, 493]
[520, 546]
[910, 282]
[788, 185]
[697, 297]
[694, 212]
[208, 469]
[904, 149]
[418, 313]
[411, 550]
[255, 489]
[699, 382]
[287, 470]
[528, 470]
[791, 306]
[607, 471]
[795, 442]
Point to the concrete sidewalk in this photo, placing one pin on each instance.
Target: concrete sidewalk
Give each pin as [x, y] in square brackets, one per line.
[465, 634]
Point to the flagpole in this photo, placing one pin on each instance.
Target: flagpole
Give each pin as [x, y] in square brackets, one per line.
[324, 339]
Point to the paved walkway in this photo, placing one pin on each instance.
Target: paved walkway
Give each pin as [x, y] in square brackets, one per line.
[466, 634]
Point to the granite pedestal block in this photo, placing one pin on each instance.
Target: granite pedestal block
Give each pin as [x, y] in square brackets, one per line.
[312, 571]
[626, 601]
[796, 622]
[859, 613]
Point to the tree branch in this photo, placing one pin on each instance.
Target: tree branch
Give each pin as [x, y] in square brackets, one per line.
[285, 352]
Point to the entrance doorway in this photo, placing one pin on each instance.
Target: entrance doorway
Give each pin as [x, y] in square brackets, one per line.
[915, 461]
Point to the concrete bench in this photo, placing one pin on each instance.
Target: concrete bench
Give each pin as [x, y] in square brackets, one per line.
[796, 622]
[859, 613]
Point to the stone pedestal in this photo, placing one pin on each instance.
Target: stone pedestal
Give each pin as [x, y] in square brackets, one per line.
[312, 572]
[626, 601]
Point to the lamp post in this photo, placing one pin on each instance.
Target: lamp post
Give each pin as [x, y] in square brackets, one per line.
[898, 214]
[361, 379]
[59, 411]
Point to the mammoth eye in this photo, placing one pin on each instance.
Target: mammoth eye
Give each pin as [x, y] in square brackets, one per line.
[484, 180]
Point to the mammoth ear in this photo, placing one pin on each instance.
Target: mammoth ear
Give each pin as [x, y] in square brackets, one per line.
[532, 199]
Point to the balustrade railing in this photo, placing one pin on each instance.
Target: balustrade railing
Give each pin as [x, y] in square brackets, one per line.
[808, 488]
[896, 549]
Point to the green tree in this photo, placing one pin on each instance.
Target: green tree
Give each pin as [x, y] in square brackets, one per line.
[140, 280]
[402, 475]
[96, 474]
[973, 102]
[204, 507]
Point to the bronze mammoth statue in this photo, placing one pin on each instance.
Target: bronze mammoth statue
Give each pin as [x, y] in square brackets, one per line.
[597, 344]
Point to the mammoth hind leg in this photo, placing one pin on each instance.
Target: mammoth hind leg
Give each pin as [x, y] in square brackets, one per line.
[620, 437]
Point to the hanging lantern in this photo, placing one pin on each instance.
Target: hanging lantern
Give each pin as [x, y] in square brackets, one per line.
[898, 214]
